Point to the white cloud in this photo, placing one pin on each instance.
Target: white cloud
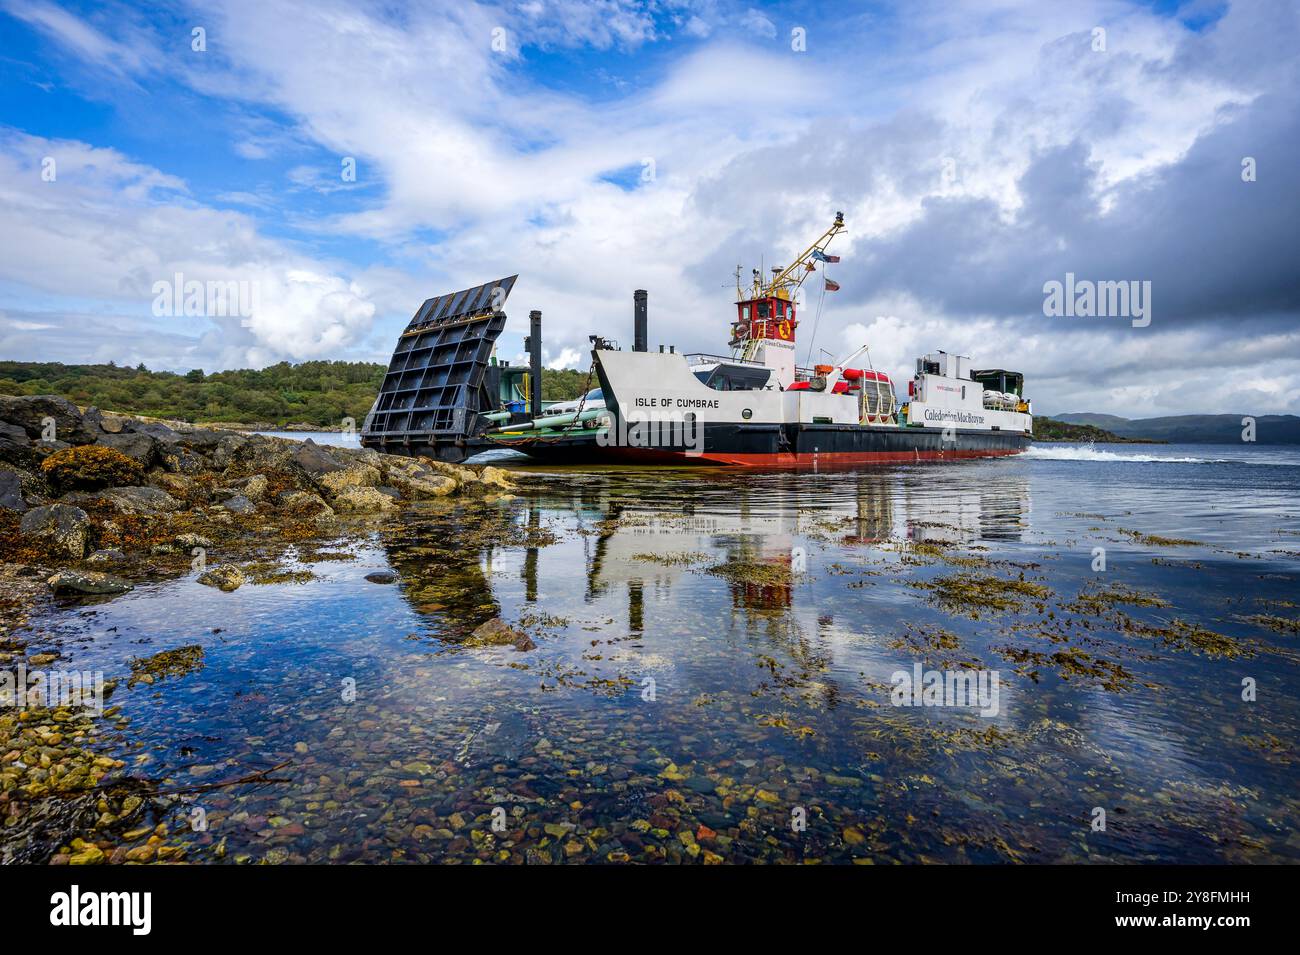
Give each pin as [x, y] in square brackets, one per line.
[306, 314]
[567, 358]
[78, 35]
[107, 229]
[759, 25]
[753, 147]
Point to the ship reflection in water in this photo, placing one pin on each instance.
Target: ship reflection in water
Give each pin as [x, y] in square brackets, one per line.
[714, 666]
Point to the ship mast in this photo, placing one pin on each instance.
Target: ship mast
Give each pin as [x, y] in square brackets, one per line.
[764, 328]
[792, 276]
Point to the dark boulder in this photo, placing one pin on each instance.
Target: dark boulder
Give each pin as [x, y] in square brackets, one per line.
[227, 449]
[239, 504]
[203, 440]
[254, 454]
[14, 443]
[87, 582]
[138, 447]
[93, 419]
[154, 429]
[127, 500]
[43, 449]
[501, 737]
[62, 528]
[33, 413]
[180, 460]
[315, 460]
[11, 491]
[141, 500]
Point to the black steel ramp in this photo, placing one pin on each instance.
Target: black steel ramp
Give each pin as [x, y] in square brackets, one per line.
[438, 381]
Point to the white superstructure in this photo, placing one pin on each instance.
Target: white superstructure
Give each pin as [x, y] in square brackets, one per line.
[946, 393]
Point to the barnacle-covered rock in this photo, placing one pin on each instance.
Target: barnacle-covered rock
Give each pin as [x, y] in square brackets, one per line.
[61, 528]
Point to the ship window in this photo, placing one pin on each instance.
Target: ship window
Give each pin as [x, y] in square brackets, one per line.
[762, 309]
[744, 312]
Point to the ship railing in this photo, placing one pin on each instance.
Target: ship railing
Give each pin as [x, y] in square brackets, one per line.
[696, 359]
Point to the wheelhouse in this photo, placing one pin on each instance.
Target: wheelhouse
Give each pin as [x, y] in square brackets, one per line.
[766, 317]
[996, 379]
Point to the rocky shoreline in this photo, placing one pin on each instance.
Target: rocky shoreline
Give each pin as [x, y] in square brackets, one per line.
[92, 504]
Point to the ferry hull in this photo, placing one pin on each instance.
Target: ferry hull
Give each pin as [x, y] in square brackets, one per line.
[784, 446]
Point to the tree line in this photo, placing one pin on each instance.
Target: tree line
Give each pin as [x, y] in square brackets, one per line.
[319, 393]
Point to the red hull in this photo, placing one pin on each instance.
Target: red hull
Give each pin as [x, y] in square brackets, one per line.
[843, 457]
[587, 452]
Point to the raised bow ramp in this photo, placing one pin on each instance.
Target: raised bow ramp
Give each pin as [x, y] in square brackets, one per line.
[441, 378]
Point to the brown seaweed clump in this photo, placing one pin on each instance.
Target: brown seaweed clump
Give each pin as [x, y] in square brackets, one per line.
[1101, 600]
[1284, 625]
[972, 592]
[1070, 663]
[269, 572]
[1155, 540]
[1190, 636]
[755, 573]
[674, 559]
[930, 551]
[91, 466]
[497, 633]
[177, 662]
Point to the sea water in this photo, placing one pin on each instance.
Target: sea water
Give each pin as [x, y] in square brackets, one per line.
[715, 656]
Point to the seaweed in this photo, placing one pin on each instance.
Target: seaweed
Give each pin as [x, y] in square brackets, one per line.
[1155, 540]
[972, 592]
[1070, 663]
[672, 560]
[754, 573]
[1190, 636]
[1284, 625]
[177, 662]
[1100, 599]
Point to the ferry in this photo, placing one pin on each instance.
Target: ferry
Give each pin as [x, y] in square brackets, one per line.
[757, 407]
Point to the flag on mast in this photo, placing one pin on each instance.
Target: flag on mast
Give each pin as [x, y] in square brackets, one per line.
[832, 285]
[821, 256]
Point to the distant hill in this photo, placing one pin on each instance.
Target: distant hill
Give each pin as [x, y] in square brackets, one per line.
[1052, 429]
[1098, 420]
[1194, 428]
[320, 393]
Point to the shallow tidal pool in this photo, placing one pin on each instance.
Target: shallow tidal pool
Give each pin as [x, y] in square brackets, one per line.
[714, 665]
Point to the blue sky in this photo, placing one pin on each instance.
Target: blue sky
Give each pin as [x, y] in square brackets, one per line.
[978, 149]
